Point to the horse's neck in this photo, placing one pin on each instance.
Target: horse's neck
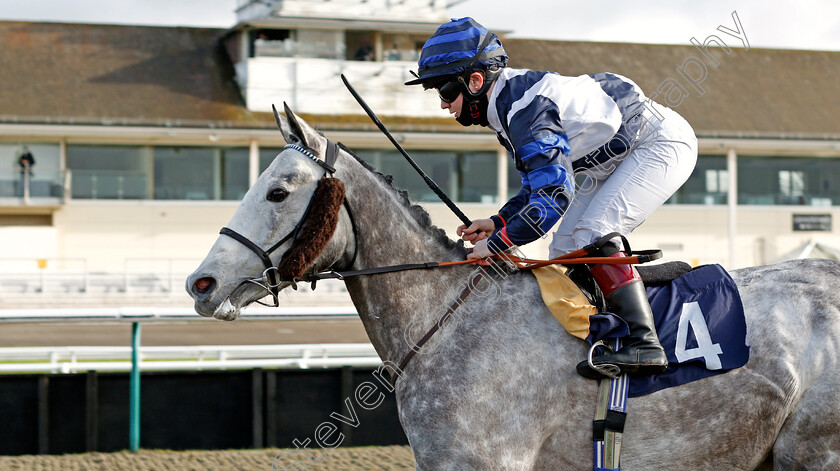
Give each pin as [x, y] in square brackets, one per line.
[388, 234]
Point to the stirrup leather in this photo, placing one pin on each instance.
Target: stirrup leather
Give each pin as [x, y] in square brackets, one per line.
[610, 416]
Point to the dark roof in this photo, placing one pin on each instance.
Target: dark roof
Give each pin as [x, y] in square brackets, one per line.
[760, 92]
[82, 73]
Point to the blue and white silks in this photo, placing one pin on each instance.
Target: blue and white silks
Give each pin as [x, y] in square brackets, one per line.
[553, 126]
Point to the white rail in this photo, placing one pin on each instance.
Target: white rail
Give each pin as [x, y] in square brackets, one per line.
[185, 358]
[160, 314]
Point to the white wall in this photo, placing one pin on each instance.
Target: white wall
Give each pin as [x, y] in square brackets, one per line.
[21, 245]
[314, 86]
[107, 234]
[393, 10]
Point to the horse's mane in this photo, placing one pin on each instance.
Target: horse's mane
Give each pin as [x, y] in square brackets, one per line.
[417, 212]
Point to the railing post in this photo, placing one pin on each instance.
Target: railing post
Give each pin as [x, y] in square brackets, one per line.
[134, 390]
[67, 194]
[26, 184]
[91, 411]
[732, 205]
[43, 414]
[257, 412]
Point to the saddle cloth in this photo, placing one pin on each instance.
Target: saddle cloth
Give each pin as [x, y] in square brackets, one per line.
[699, 319]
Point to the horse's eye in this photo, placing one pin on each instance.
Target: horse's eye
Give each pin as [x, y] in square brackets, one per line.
[277, 195]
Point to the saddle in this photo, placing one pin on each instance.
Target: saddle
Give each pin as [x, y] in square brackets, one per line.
[652, 275]
[698, 313]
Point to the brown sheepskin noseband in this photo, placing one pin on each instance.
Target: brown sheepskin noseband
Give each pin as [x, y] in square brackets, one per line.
[316, 230]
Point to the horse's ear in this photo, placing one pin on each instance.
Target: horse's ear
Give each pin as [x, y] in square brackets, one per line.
[289, 128]
[282, 123]
[296, 131]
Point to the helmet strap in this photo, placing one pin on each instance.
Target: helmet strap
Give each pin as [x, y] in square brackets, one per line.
[474, 107]
[474, 110]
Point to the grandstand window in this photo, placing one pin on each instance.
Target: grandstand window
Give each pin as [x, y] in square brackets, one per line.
[46, 179]
[270, 42]
[200, 173]
[463, 176]
[806, 181]
[707, 185]
[234, 175]
[477, 179]
[109, 172]
[267, 155]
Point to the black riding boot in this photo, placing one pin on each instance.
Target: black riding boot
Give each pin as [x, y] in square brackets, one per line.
[624, 292]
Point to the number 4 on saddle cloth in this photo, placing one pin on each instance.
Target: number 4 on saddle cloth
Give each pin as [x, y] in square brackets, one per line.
[699, 319]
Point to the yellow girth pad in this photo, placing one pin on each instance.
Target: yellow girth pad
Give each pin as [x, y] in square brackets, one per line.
[565, 300]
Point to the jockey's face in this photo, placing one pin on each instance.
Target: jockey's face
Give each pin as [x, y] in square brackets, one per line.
[455, 106]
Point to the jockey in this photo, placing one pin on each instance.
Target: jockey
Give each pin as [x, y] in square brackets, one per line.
[633, 153]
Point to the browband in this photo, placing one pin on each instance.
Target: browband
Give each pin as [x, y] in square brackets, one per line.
[329, 158]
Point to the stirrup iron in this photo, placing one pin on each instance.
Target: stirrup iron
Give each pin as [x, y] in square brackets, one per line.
[607, 369]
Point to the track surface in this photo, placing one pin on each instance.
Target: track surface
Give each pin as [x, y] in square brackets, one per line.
[387, 458]
[185, 333]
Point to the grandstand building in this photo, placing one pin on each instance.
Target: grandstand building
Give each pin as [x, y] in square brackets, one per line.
[145, 138]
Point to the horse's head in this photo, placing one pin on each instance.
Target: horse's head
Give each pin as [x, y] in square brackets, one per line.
[288, 222]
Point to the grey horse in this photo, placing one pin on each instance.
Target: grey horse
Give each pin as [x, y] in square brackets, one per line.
[496, 388]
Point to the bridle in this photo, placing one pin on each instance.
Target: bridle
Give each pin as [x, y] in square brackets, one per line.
[272, 278]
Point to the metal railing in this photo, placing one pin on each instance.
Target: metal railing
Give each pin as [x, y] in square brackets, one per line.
[104, 184]
[77, 359]
[73, 359]
[33, 183]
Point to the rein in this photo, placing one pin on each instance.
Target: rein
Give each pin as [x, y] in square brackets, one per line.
[330, 188]
[572, 258]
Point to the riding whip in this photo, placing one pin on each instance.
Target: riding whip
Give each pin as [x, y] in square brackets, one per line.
[411, 161]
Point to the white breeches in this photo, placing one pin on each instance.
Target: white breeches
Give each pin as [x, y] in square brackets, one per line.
[620, 197]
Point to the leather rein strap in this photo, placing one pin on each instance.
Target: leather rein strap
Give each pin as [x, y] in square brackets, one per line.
[578, 257]
[443, 319]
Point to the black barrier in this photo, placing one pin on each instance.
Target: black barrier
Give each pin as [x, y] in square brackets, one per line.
[73, 413]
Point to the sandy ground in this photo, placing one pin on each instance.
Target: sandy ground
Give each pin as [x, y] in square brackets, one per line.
[245, 332]
[387, 458]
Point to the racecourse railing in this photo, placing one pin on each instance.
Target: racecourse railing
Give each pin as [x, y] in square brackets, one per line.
[136, 358]
[78, 359]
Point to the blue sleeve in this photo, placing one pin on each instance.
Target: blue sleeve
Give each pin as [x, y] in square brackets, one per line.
[515, 204]
[543, 149]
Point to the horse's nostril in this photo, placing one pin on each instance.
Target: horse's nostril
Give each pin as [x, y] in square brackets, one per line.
[202, 285]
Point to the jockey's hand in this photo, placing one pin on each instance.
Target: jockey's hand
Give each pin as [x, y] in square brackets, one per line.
[479, 229]
[480, 250]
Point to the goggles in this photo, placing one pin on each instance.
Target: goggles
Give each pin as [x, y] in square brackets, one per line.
[449, 91]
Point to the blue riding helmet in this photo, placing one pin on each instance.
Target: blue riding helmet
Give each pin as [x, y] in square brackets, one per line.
[453, 49]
